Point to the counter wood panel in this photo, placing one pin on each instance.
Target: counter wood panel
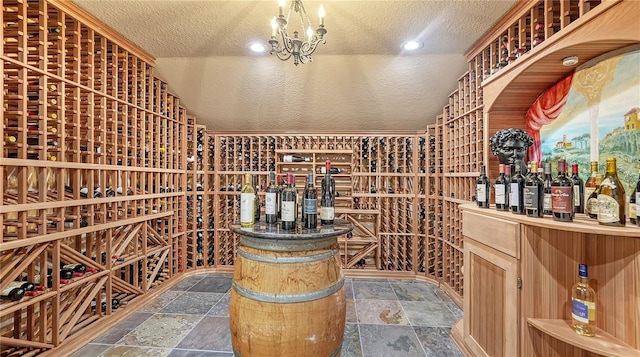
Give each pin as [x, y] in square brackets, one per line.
[549, 254]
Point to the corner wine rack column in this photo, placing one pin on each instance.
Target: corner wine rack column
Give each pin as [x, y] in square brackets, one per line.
[434, 199]
[92, 173]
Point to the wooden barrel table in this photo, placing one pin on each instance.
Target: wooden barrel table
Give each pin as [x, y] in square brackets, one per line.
[287, 295]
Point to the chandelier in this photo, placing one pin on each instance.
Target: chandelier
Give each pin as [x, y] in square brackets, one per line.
[285, 46]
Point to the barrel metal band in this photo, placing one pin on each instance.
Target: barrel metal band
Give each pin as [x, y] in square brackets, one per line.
[287, 260]
[288, 245]
[287, 298]
[333, 354]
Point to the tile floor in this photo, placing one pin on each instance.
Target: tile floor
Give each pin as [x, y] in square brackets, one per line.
[385, 318]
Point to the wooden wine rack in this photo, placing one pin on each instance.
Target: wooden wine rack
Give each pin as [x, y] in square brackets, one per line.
[92, 173]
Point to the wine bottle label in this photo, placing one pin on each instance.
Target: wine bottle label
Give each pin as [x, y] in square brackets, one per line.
[561, 200]
[310, 206]
[531, 198]
[500, 194]
[546, 202]
[246, 207]
[637, 204]
[576, 195]
[592, 206]
[514, 195]
[327, 213]
[608, 209]
[481, 192]
[580, 310]
[270, 203]
[587, 193]
[288, 211]
[15, 284]
[633, 214]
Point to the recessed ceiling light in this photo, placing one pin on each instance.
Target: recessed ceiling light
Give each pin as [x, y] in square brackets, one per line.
[256, 47]
[570, 61]
[412, 45]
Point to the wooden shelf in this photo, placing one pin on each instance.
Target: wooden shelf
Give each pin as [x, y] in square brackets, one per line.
[602, 343]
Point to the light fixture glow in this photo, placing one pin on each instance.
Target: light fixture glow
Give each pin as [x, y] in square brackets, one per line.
[412, 45]
[257, 47]
[286, 46]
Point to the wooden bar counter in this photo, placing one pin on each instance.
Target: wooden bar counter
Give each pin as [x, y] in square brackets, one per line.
[518, 274]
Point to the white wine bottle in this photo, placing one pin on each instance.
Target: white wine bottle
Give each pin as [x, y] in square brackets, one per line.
[247, 200]
[611, 198]
[583, 304]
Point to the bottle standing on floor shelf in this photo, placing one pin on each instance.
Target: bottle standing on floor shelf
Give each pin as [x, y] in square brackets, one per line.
[578, 190]
[516, 198]
[256, 198]
[483, 189]
[534, 193]
[294, 158]
[500, 187]
[562, 195]
[247, 200]
[590, 185]
[271, 200]
[611, 198]
[547, 180]
[310, 205]
[288, 220]
[583, 304]
[327, 201]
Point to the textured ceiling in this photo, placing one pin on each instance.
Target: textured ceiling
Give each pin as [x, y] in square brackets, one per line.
[359, 80]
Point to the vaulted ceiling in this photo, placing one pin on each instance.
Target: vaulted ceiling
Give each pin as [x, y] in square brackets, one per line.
[360, 79]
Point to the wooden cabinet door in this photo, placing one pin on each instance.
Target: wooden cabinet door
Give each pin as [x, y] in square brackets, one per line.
[491, 301]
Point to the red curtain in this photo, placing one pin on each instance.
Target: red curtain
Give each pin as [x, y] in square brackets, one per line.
[544, 111]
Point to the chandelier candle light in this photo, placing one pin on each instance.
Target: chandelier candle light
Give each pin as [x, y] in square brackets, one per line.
[285, 46]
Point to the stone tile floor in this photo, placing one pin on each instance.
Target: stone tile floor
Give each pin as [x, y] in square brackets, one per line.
[385, 318]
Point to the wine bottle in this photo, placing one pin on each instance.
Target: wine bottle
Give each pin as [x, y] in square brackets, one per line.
[583, 304]
[247, 200]
[294, 158]
[516, 198]
[288, 219]
[611, 198]
[562, 195]
[271, 200]
[282, 184]
[637, 196]
[78, 268]
[534, 193]
[578, 190]
[591, 206]
[502, 199]
[327, 201]
[590, 184]
[334, 170]
[13, 291]
[310, 205]
[10, 139]
[548, 179]
[482, 189]
[256, 200]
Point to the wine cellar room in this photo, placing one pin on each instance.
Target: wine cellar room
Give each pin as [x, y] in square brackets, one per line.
[320, 178]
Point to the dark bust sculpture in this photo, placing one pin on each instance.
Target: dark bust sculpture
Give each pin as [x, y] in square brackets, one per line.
[510, 146]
